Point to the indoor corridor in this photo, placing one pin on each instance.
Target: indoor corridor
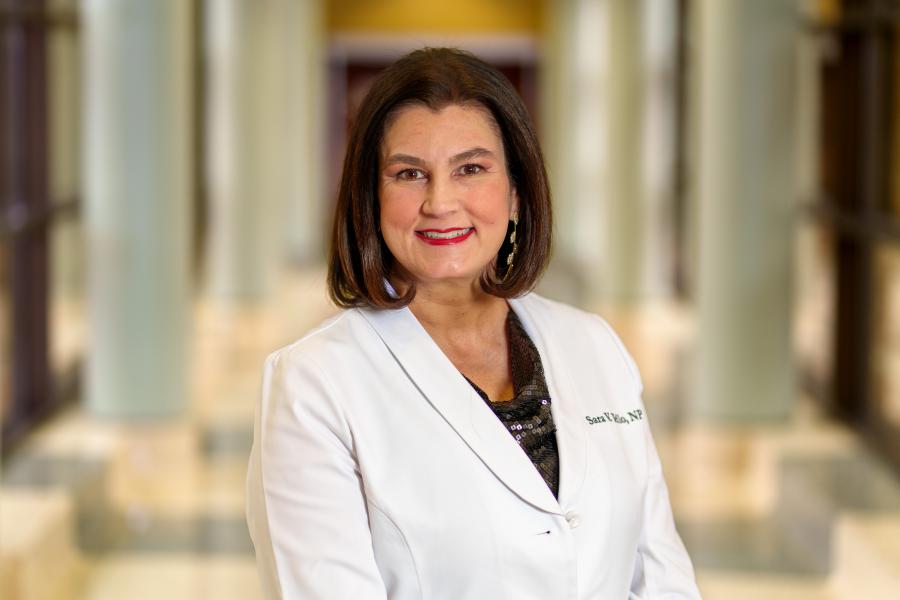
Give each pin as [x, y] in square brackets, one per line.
[725, 181]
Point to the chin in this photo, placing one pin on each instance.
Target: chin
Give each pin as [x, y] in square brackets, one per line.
[449, 276]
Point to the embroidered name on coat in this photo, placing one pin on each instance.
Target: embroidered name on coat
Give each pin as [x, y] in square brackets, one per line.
[611, 417]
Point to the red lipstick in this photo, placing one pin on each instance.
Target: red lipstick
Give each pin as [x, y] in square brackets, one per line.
[445, 237]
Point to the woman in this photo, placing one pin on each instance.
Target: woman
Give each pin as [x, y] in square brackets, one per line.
[450, 435]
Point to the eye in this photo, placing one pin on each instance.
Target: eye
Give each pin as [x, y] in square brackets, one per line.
[471, 169]
[410, 175]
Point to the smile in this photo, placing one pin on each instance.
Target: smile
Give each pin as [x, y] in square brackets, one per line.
[443, 237]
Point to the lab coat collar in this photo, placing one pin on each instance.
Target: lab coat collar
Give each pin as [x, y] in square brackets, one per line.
[450, 394]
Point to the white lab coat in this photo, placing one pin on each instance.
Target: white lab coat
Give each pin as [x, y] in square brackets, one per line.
[377, 472]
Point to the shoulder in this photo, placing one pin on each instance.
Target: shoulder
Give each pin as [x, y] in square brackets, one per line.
[569, 321]
[309, 379]
[333, 342]
[578, 331]
[564, 314]
[332, 334]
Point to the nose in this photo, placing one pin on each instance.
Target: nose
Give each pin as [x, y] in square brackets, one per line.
[440, 199]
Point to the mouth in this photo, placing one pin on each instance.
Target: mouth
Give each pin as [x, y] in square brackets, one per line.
[442, 237]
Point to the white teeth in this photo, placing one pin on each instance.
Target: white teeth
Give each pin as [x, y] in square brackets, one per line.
[434, 235]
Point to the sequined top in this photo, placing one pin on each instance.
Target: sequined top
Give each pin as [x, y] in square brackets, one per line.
[527, 416]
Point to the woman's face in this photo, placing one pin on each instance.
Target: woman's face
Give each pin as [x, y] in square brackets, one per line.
[444, 191]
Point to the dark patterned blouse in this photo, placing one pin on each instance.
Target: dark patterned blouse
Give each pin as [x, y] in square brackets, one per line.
[527, 416]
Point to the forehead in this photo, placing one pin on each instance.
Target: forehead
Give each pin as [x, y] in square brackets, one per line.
[455, 122]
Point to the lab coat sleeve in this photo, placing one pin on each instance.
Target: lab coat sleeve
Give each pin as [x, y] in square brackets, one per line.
[663, 569]
[306, 506]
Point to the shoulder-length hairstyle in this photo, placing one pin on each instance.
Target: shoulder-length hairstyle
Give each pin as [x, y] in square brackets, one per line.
[360, 261]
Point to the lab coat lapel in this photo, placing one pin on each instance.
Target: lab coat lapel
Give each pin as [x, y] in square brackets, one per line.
[450, 394]
[565, 401]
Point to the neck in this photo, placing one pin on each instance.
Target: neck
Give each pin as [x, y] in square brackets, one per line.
[442, 307]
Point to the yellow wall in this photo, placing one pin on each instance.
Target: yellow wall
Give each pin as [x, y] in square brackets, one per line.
[438, 16]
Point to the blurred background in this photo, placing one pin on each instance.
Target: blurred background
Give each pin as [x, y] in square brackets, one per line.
[726, 179]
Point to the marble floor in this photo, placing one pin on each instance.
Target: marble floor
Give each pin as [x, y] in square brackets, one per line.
[106, 510]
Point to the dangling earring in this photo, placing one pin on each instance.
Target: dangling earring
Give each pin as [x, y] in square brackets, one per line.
[515, 246]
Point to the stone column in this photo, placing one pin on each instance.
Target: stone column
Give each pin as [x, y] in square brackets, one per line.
[266, 100]
[574, 123]
[308, 214]
[659, 130]
[745, 206]
[243, 151]
[624, 221]
[137, 182]
[611, 175]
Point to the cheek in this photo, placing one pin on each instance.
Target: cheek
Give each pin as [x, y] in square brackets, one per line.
[491, 205]
[398, 211]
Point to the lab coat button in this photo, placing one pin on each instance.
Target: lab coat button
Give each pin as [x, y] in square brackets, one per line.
[573, 519]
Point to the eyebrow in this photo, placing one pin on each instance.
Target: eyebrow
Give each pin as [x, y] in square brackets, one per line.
[404, 158]
[470, 154]
[461, 157]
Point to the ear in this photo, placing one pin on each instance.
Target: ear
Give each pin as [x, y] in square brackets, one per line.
[513, 204]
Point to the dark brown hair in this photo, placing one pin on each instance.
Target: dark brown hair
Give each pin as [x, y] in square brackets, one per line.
[359, 260]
